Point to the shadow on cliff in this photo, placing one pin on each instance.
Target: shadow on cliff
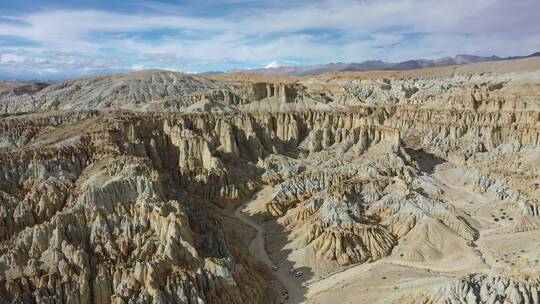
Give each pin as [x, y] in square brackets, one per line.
[426, 161]
[276, 239]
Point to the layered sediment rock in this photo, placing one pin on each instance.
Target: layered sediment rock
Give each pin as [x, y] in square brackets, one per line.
[118, 206]
[97, 220]
[481, 289]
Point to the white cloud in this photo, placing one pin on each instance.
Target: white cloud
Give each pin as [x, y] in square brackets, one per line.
[55, 66]
[137, 67]
[315, 32]
[11, 58]
[49, 71]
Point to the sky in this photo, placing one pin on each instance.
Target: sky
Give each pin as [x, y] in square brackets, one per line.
[54, 40]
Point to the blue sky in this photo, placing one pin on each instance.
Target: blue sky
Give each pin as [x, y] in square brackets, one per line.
[54, 40]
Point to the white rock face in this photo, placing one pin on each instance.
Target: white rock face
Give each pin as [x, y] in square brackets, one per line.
[480, 289]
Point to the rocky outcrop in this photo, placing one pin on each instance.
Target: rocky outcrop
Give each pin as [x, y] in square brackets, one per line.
[102, 205]
[356, 211]
[490, 89]
[99, 221]
[481, 289]
[105, 172]
[16, 88]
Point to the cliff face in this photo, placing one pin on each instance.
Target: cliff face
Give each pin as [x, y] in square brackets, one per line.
[94, 218]
[481, 289]
[101, 205]
[112, 206]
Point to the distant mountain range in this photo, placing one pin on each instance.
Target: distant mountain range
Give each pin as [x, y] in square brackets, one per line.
[377, 65]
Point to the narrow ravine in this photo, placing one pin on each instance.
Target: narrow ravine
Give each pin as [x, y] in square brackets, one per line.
[257, 249]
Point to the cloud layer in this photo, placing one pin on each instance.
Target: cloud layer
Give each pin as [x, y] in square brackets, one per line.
[65, 42]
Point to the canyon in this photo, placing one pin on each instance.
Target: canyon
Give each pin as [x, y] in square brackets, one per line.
[417, 186]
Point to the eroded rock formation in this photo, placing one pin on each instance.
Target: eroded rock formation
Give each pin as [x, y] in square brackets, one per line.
[133, 205]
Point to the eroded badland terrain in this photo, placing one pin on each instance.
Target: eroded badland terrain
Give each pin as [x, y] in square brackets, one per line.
[379, 187]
